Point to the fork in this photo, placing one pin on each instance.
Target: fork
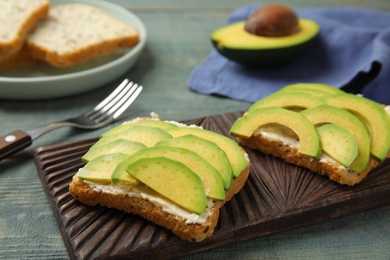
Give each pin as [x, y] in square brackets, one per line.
[104, 113]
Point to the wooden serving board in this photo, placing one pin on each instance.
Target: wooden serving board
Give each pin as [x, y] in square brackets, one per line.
[276, 197]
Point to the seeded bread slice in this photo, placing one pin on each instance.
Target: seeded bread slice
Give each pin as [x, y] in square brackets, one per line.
[86, 193]
[17, 18]
[331, 169]
[81, 191]
[75, 32]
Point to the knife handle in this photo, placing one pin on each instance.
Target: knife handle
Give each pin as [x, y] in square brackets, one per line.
[13, 142]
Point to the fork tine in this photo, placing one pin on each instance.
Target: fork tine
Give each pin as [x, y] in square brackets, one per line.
[126, 101]
[118, 105]
[109, 97]
[118, 98]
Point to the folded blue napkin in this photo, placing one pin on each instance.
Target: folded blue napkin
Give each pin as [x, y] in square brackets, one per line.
[352, 51]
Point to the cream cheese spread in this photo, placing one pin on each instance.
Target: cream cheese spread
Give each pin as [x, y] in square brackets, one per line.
[279, 134]
[274, 133]
[146, 193]
[154, 116]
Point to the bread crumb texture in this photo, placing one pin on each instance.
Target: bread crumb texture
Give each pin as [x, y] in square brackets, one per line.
[17, 18]
[73, 33]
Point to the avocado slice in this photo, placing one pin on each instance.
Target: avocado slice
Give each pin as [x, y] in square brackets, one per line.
[173, 180]
[372, 115]
[236, 44]
[338, 143]
[327, 114]
[231, 148]
[288, 100]
[146, 135]
[150, 122]
[245, 126]
[207, 150]
[211, 178]
[117, 146]
[100, 168]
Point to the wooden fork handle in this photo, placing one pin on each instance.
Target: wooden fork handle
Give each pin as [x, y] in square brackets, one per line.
[13, 142]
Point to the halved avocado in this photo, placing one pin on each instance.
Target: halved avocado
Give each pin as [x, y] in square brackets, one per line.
[236, 44]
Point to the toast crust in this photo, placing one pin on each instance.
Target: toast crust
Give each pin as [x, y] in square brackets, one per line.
[13, 45]
[146, 209]
[65, 44]
[78, 56]
[332, 170]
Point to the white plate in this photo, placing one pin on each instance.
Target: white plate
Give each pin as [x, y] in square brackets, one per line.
[44, 81]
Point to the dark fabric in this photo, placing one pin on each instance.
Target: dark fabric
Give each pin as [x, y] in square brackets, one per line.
[352, 51]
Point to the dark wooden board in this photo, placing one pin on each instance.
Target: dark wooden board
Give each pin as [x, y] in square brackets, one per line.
[276, 197]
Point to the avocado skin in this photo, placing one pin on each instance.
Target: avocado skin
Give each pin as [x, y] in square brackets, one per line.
[236, 44]
[264, 58]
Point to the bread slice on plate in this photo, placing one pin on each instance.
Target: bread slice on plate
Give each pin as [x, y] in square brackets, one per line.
[174, 175]
[17, 18]
[20, 59]
[75, 32]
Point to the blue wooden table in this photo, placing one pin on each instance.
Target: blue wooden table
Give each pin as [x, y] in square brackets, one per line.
[178, 39]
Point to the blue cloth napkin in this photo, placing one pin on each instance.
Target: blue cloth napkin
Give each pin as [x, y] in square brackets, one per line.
[352, 51]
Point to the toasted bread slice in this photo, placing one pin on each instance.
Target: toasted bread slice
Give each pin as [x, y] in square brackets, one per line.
[330, 168]
[279, 137]
[158, 209]
[195, 232]
[73, 33]
[18, 17]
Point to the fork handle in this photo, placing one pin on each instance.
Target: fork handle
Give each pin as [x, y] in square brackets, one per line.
[13, 142]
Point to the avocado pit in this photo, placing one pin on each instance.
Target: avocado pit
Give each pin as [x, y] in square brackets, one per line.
[272, 21]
